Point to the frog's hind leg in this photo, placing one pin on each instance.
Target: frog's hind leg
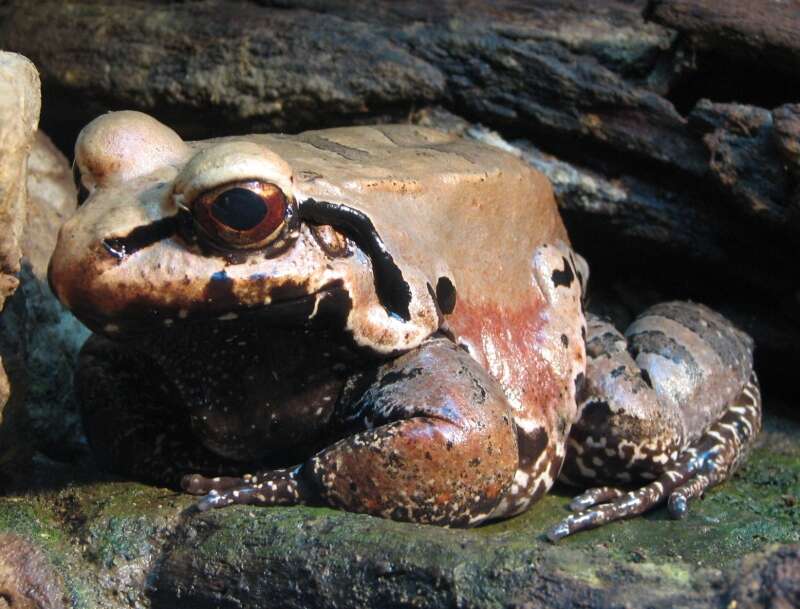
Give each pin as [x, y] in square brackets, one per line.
[706, 463]
[428, 439]
[676, 405]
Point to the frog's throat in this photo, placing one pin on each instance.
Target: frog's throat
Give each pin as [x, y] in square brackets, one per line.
[392, 289]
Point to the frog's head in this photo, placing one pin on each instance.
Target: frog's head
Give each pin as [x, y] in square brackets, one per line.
[171, 233]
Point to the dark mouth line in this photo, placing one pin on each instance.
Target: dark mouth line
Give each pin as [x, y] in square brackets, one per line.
[142, 237]
[284, 309]
[391, 287]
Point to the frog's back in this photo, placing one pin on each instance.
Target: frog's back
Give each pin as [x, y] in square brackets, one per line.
[448, 206]
[481, 228]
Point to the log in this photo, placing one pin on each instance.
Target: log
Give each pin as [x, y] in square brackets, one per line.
[767, 32]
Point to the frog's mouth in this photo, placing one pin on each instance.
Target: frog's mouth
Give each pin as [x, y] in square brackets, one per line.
[326, 308]
[110, 305]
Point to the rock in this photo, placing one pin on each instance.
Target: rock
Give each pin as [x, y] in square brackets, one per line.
[769, 582]
[27, 580]
[52, 198]
[273, 68]
[787, 136]
[358, 63]
[39, 340]
[122, 544]
[19, 115]
[739, 138]
[769, 36]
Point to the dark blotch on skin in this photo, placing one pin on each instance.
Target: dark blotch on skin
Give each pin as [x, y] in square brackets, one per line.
[595, 414]
[564, 277]
[580, 384]
[288, 291]
[446, 295]
[432, 294]
[731, 346]
[398, 375]
[656, 341]
[564, 340]
[392, 289]
[141, 237]
[531, 445]
[83, 192]
[220, 290]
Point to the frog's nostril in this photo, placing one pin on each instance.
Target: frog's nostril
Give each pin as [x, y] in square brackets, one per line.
[239, 208]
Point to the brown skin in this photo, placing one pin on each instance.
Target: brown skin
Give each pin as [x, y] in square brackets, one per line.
[27, 580]
[419, 423]
[392, 312]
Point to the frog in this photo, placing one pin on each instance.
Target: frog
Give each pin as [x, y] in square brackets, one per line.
[387, 320]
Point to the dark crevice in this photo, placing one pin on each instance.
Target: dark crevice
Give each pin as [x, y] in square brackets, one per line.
[724, 79]
[200, 123]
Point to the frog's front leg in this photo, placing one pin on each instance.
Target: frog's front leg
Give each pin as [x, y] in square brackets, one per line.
[432, 441]
[673, 404]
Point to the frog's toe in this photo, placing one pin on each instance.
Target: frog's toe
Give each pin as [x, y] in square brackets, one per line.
[193, 484]
[274, 487]
[196, 484]
[709, 461]
[212, 501]
[621, 505]
[678, 503]
[594, 496]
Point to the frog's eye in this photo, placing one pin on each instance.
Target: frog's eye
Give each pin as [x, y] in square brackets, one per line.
[242, 215]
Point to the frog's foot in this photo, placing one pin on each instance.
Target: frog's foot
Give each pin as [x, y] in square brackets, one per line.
[706, 463]
[274, 487]
[436, 444]
[594, 496]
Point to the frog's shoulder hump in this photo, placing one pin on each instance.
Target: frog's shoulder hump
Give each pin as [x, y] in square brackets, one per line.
[370, 165]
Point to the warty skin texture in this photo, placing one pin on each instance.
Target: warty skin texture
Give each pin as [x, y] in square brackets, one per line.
[408, 342]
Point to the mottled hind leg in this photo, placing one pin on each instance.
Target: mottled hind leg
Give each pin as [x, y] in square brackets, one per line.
[432, 441]
[676, 404]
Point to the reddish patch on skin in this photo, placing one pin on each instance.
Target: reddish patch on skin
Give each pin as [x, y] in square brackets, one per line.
[511, 336]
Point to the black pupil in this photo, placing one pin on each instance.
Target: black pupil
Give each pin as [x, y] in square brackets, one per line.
[239, 208]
